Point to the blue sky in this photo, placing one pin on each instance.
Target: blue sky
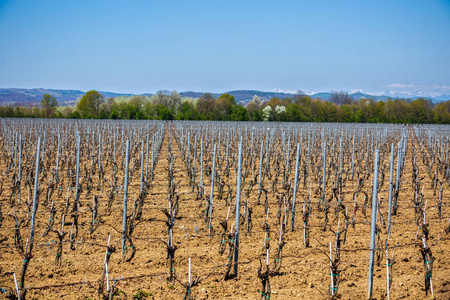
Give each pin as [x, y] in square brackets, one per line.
[217, 46]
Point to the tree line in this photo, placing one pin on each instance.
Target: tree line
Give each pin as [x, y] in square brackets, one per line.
[169, 105]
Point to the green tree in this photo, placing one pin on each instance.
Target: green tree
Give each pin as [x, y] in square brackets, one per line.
[106, 108]
[318, 110]
[65, 112]
[48, 104]
[239, 113]
[163, 112]
[254, 111]
[187, 112]
[344, 114]
[205, 106]
[89, 104]
[224, 106]
[378, 115]
[172, 100]
[397, 111]
[18, 112]
[132, 109]
[294, 113]
[421, 111]
[330, 111]
[442, 113]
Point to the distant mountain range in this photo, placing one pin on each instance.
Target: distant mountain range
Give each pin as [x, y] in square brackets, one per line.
[32, 96]
[11, 96]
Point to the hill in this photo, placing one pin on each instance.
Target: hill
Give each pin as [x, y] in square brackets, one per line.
[11, 96]
[34, 96]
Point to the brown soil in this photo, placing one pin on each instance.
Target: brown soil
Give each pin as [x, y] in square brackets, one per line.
[304, 273]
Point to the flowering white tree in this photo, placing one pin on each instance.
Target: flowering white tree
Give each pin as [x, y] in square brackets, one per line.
[257, 100]
[266, 113]
[279, 109]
